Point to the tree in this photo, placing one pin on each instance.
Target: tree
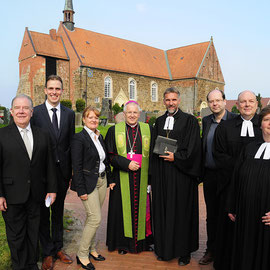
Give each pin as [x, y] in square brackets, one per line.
[80, 105]
[5, 117]
[259, 98]
[116, 109]
[234, 109]
[67, 103]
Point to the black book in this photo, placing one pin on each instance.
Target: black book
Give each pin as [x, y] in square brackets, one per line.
[163, 144]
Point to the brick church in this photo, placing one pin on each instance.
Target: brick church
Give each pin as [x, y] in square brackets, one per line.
[96, 66]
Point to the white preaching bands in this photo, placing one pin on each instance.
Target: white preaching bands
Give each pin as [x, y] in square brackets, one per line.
[265, 147]
[247, 127]
[169, 123]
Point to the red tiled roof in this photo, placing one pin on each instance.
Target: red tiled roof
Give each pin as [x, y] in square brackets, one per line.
[27, 49]
[265, 102]
[185, 61]
[112, 53]
[45, 45]
[232, 102]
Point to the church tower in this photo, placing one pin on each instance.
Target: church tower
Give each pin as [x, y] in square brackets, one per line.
[68, 15]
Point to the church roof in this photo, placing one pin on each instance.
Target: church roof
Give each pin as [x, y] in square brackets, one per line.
[42, 44]
[112, 53]
[101, 51]
[186, 61]
[107, 52]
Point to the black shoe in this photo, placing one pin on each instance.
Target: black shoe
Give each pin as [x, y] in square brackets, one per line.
[184, 260]
[159, 258]
[98, 258]
[207, 258]
[122, 252]
[89, 266]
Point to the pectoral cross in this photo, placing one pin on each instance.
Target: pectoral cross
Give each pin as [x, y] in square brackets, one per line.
[131, 153]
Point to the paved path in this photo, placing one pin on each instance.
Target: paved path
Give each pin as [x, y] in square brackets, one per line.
[144, 260]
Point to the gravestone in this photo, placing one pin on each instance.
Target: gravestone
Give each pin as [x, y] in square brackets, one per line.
[78, 119]
[106, 109]
[205, 112]
[142, 116]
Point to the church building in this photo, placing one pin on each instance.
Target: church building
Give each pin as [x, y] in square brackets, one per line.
[97, 67]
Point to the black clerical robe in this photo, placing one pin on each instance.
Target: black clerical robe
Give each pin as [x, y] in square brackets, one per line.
[175, 188]
[115, 228]
[227, 147]
[250, 200]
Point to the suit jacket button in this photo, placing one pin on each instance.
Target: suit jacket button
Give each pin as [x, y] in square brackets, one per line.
[28, 181]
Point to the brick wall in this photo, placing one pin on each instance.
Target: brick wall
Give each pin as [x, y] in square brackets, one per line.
[32, 78]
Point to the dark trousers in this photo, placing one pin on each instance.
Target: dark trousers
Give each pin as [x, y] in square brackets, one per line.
[22, 226]
[212, 202]
[225, 235]
[51, 222]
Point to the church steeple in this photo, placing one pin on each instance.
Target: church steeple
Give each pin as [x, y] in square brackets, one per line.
[68, 15]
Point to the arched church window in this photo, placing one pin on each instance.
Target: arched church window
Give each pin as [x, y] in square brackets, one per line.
[154, 92]
[132, 89]
[108, 87]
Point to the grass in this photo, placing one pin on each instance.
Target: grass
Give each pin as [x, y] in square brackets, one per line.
[5, 261]
[67, 221]
[4, 249]
[103, 130]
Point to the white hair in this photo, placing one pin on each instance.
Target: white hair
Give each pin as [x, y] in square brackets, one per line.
[132, 103]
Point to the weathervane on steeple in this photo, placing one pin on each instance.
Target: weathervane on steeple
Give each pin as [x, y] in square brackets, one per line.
[68, 15]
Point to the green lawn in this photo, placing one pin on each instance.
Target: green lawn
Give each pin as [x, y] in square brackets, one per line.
[4, 250]
[103, 130]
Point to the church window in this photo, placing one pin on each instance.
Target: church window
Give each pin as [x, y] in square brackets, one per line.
[154, 92]
[132, 89]
[108, 87]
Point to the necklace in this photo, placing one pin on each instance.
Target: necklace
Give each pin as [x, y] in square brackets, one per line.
[131, 153]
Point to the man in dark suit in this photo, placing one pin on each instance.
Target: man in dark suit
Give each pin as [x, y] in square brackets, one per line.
[59, 121]
[216, 102]
[27, 178]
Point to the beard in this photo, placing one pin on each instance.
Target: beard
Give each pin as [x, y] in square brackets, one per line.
[171, 110]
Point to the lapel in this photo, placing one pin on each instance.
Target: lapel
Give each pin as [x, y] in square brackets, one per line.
[89, 141]
[16, 134]
[63, 117]
[101, 141]
[47, 120]
[36, 140]
[207, 127]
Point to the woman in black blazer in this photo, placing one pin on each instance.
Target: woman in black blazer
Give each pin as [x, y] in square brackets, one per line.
[91, 172]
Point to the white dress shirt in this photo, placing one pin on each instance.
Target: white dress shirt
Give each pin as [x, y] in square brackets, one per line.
[50, 107]
[99, 148]
[29, 134]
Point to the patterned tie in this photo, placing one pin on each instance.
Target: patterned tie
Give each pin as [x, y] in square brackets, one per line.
[27, 142]
[55, 120]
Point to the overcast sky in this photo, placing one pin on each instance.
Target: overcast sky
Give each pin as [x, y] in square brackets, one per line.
[240, 30]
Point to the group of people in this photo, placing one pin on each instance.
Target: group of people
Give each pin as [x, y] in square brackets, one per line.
[153, 203]
[236, 160]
